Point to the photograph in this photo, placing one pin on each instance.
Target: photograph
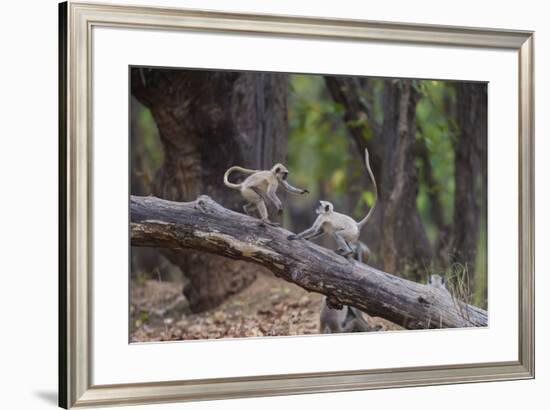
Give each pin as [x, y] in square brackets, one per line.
[270, 198]
[258, 202]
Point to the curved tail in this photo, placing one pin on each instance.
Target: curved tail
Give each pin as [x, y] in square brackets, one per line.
[230, 170]
[364, 221]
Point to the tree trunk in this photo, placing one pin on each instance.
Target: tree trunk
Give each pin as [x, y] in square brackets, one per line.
[204, 224]
[391, 145]
[470, 173]
[434, 202]
[207, 122]
[401, 220]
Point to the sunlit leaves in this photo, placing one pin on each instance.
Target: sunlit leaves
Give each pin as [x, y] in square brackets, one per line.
[318, 140]
[436, 128]
[368, 198]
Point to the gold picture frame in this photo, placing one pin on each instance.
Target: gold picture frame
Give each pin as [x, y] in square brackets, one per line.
[76, 21]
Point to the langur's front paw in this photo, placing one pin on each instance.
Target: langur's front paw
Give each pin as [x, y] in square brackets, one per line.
[279, 211]
[292, 237]
[344, 252]
[305, 191]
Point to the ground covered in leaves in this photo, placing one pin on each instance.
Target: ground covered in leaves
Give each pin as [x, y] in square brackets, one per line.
[269, 307]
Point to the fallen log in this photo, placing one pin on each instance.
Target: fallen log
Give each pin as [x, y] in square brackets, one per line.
[207, 226]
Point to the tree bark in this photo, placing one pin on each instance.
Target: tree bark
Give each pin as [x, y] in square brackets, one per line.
[207, 226]
[470, 173]
[391, 146]
[436, 208]
[207, 122]
[401, 219]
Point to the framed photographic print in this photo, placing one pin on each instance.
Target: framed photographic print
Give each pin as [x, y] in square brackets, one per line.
[242, 194]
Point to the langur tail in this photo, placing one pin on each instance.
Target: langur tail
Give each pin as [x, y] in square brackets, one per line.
[364, 221]
[230, 170]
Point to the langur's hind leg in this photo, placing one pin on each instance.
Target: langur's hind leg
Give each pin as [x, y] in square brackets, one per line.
[248, 209]
[359, 253]
[316, 235]
[264, 215]
[343, 247]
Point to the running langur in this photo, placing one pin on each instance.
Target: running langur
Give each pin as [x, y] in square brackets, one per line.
[260, 188]
[343, 228]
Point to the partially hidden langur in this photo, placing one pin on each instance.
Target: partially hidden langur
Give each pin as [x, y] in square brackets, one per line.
[343, 228]
[260, 189]
[438, 282]
[362, 252]
[345, 320]
[348, 319]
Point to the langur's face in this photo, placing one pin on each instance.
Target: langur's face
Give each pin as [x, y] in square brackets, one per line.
[324, 207]
[437, 280]
[280, 172]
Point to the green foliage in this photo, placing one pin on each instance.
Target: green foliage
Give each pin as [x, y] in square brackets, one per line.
[437, 130]
[368, 198]
[143, 316]
[480, 280]
[142, 277]
[376, 99]
[147, 152]
[318, 142]
[458, 282]
[149, 136]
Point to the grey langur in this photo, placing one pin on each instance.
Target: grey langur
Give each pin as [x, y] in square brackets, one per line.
[343, 228]
[438, 282]
[345, 320]
[348, 319]
[260, 187]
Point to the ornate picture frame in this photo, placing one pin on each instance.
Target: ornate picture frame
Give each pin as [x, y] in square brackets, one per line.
[76, 21]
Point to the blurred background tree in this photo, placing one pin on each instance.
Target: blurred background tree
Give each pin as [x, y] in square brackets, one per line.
[427, 140]
[206, 122]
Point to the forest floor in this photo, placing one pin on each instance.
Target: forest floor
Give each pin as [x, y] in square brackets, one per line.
[268, 307]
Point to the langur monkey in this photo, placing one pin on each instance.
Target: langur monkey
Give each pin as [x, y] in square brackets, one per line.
[438, 282]
[348, 319]
[345, 320]
[260, 188]
[343, 228]
[362, 252]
